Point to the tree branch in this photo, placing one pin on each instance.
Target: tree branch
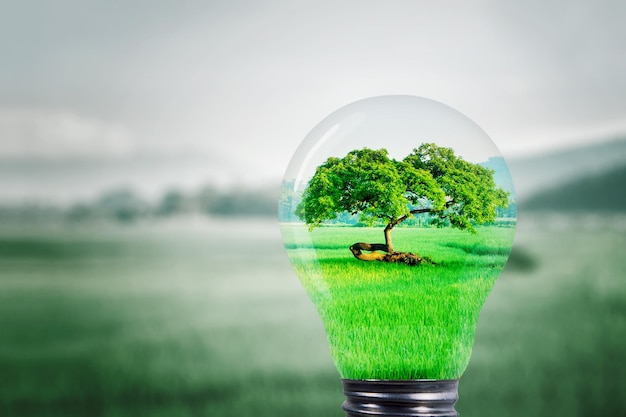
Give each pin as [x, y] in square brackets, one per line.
[406, 216]
[416, 211]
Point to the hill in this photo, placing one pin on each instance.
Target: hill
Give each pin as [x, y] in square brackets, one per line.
[602, 192]
[537, 173]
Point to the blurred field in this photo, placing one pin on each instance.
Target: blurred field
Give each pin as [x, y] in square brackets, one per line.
[208, 319]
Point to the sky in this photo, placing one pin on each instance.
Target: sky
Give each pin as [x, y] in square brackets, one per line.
[396, 123]
[157, 94]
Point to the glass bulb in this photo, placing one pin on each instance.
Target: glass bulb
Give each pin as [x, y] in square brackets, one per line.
[396, 213]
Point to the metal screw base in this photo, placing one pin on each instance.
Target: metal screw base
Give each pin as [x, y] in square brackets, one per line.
[417, 398]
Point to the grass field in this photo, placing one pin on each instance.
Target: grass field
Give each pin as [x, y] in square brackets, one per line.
[210, 320]
[394, 321]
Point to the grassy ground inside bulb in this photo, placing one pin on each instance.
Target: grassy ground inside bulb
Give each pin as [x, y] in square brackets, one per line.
[393, 321]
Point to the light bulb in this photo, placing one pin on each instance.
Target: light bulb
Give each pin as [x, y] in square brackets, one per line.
[394, 215]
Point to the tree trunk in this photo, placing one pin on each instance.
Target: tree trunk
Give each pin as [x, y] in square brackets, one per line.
[388, 241]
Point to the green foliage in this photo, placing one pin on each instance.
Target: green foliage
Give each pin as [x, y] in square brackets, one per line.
[365, 181]
[431, 179]
[386, 321]
[122, 205]
[173, 202]
[501, 174]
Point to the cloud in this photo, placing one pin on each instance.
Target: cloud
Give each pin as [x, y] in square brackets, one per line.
[43, 133]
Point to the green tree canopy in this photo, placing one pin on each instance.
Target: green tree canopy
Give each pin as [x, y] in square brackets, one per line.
[431, 179]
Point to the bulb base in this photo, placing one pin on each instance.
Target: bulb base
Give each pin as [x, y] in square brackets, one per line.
[415, 398]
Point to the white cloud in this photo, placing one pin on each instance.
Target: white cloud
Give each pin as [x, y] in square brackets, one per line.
[43, 133]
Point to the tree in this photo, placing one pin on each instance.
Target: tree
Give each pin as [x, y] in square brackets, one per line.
[122, 205]
[431, 179]
[172, 203]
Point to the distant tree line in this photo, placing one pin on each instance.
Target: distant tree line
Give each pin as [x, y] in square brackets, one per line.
[125, 205]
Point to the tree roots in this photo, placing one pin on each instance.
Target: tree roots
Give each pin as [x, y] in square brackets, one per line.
[408, 258]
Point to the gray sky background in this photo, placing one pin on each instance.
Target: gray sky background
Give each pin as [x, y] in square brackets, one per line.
[178, 93]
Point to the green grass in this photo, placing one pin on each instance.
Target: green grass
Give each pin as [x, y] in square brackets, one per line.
[210, 320]
[393, 321]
